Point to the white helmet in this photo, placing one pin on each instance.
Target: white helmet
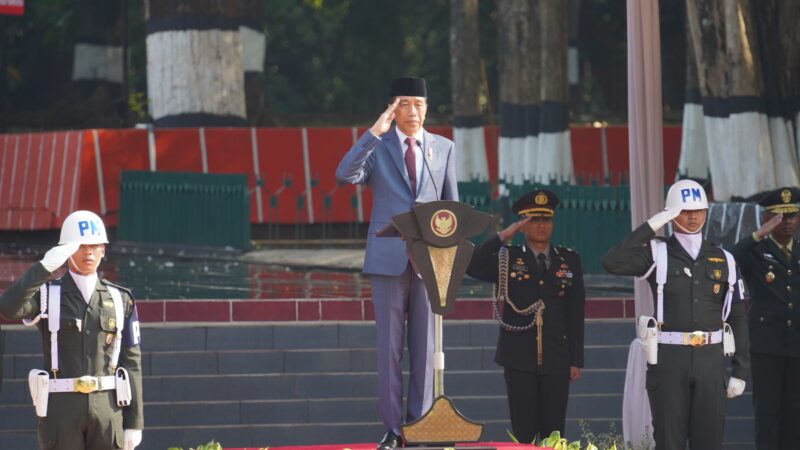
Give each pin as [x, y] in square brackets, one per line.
[686, 195]
[83, 227]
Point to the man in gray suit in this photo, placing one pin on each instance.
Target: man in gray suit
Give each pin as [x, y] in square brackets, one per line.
[403, 165]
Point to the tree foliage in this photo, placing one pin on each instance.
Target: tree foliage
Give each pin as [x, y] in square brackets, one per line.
[327, 62]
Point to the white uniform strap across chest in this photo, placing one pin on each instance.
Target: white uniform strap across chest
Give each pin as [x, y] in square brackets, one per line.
[660, 257]
[50, 309]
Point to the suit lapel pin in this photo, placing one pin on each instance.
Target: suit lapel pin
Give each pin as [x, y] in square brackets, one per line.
[430, 153]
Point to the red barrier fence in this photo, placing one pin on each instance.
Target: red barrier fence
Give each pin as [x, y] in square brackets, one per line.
[44, 176]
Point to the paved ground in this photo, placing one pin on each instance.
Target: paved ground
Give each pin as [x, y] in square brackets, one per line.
[346, 259]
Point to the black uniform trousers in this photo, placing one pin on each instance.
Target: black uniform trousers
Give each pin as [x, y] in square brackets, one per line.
[537, 403]
[776, 401]
[687, 396]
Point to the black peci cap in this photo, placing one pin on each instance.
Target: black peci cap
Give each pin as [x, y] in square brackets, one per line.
[782, 200]
[537, 203]
[408, 87]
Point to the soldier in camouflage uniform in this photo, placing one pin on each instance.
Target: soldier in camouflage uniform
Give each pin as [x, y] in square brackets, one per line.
[81, 409]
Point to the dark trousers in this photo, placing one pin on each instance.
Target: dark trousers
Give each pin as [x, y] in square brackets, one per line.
[81, 422]
[776, 401]
[687, 396]
[537, 403]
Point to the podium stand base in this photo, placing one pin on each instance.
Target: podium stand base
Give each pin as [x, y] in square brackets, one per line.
[442, 426]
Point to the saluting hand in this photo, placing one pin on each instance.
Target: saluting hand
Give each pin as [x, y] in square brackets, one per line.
[384, 122]
[58, 255]
[509, 232]
[769, 225]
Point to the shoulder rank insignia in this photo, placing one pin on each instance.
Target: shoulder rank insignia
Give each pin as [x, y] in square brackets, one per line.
[566, 249]
[714, 259]
[121, 288]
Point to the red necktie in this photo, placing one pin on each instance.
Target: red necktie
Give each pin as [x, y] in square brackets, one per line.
[411, 164]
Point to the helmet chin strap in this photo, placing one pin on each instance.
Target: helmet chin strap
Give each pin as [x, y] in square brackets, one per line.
[74, 268]
[685, 231]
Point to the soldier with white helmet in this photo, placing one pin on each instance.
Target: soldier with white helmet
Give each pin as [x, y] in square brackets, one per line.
[699, 320]
[88, 392]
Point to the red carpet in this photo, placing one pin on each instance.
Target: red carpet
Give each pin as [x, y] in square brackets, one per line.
[503, 445]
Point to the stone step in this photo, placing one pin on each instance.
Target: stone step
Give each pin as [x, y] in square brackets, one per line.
[228, 362]
[314, 383]
[317, 386]
[311, 336]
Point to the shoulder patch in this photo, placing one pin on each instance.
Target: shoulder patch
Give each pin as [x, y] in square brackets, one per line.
[121, 288]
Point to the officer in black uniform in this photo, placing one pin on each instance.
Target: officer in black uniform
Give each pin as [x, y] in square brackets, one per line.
[541, 335]
[687, 387]
[770, 263]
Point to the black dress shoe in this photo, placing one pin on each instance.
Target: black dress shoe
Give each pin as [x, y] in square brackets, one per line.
[390, 441]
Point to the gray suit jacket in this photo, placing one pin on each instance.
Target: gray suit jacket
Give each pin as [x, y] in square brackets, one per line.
[379, 163]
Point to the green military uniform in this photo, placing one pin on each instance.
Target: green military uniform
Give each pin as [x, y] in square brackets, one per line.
[537, 390]
[773, 279]
[687, 387]
[77, 421]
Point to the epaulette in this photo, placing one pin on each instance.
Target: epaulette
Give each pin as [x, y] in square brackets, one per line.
[564, 249]
[121, 288]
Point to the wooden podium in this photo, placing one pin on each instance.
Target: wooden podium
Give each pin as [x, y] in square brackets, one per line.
[436, 239]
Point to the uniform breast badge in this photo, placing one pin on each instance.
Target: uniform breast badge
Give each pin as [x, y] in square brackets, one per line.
[769, 277]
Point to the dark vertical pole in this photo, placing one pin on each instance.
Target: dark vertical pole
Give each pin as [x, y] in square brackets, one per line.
[124, 108]
[3, 87]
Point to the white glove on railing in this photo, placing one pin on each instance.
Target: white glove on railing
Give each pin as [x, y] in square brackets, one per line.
[132, 439]
[58, 255]
[735, 387]
[664, 217]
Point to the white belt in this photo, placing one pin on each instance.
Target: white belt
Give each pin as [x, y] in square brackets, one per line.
[693, 338]
[84, 385]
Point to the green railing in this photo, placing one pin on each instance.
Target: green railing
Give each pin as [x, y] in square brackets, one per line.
[185, 208]
[589, 219]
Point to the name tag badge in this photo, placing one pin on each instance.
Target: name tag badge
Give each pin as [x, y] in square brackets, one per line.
[520, 267]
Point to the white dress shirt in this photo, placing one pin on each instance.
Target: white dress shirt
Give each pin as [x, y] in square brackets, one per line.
[85, 283]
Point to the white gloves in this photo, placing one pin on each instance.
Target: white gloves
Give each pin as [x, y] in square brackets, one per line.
[58, 255]
[132, 439]
[664, 217]
[735, 387]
